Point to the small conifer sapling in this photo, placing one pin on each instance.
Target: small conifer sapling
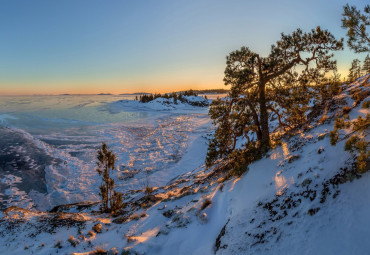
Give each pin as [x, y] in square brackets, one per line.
[111, 200]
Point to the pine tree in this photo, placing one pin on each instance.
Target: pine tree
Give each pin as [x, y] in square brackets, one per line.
[357, 23]
[111, 200]
[264, 85]
[366, 66]
[355, 70]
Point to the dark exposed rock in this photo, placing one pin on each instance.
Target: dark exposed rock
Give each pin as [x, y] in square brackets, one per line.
[77, 206]
[218, 239]
[168, 213]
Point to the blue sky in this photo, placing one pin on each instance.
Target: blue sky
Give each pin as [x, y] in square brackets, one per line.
[158, 46]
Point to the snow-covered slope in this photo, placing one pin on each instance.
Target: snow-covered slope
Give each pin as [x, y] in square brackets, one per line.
[304, 197]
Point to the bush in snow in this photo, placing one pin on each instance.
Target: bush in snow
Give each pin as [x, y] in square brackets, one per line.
[356, 142]
[366, 105]
[207, 202]
[99, 251]
[98, 228]
[73, 241]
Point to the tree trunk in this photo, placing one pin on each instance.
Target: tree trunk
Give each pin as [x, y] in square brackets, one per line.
[259, 133]
[265, 140]
[256, 121]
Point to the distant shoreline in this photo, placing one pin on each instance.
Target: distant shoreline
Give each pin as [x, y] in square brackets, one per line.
[200, 92]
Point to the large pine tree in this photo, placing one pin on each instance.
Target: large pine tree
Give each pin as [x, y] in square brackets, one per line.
[356, 24]
[275, 84]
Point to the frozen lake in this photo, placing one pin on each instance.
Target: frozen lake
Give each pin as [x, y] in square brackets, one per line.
[47, 155]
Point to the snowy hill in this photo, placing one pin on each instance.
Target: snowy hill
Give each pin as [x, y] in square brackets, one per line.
[304, 197]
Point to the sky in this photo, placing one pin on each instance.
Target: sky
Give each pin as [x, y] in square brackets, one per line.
[91, 46]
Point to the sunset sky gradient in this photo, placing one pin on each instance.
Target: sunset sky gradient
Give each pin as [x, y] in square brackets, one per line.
[90, 46]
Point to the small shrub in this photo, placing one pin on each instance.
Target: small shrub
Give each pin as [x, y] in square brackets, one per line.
[320, 150]
[240, 159]
[73, 241]
[362, 162]
[205, 204]
[130, 239]
[203, 217]
[111, 200]
[221, 187]
[82, 237]
[334, 136]
[366, 105]
[168, 213]
[306, 182]
[221, 179]
[359, 96]
[323, 119]
[321, 136]
[91, 233]
[98, 228]
[362, 123]
[99, 251]
[354, 144]
[58, 245]
[134, 217]
[313, 211]
[292, 158]
[341, 123]
[351, 143]
[275, 143]
[143, 215]
[346, 109]
[148, 190]
[126, 252]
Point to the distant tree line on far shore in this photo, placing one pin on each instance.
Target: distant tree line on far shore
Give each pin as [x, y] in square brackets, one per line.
[212, 91]
[175, 95]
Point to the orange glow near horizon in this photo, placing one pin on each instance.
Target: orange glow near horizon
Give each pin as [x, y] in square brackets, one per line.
[96, 89]
[153, 84]
[158, 83]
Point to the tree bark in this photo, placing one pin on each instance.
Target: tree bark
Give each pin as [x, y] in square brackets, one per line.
[256, 121]
[265, 140]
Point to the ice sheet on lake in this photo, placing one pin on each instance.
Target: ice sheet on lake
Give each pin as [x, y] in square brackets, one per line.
[69, 129]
